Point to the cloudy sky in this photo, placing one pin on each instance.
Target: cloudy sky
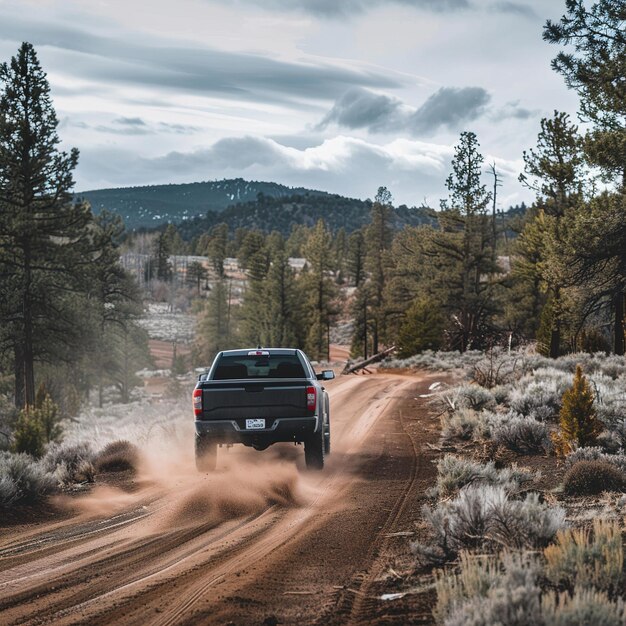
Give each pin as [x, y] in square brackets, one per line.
[340, 95]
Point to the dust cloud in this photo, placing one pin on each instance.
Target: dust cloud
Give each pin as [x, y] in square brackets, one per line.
[169, 488]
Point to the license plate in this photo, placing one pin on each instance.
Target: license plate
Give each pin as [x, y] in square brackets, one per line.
[255, 424]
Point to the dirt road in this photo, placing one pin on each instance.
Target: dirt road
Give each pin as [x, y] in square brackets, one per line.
[260, 541]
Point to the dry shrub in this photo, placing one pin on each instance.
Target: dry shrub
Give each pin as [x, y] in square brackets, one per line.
[488, 591]
[586, 607]
[454, 473]
[593, 477]
[486, 517]
[581, 558]
[521, 434]
[22, 479]
[70, 463]
[462, 425]
[118, 456]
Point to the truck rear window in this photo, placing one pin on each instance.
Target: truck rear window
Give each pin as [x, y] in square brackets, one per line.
[273, 366]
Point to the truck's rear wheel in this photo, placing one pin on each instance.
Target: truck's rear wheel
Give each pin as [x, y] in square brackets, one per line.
[206, 454]
[314, 451]
[327, 435]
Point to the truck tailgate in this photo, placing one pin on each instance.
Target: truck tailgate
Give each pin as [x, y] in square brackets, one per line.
[249, 399]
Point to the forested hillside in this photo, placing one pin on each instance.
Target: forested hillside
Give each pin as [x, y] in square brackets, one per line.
[283, 213]
[152, 205]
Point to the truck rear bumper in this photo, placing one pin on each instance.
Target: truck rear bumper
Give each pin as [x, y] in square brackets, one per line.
[279, 429]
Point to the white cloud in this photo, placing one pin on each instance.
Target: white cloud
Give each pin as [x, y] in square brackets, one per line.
[413, 170]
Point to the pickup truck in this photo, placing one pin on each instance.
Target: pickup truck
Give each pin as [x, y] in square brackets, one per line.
[258, 397]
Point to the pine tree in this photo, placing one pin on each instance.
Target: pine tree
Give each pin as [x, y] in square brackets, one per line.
[160, 260]
[214, 332]
[378, 239]
[320, 291]
[461, 266]
[115, 305]
[555, 171]
[422, 329]
[284, 311]
[355, 258]
[579, 423]
[196, 275]
[595, 66]
[216, 250]
[44, 243]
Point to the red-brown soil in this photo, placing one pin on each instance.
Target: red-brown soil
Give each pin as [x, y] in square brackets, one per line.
[260, 541]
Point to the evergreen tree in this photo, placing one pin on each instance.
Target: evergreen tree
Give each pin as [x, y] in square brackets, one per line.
[214, 331]
[319, 291]
[355, 258]
[595, 66]
[160, 261]
[119, 347]
[284, 314]
[216, 249]
[252, 245]
[554, 170]
[525, 297]
[422, 329]
[196, 275]
[44, 243]
[378, 238]
[175, 243]
[360, 312]
[595, 258]
[579, 423]
[461, 270]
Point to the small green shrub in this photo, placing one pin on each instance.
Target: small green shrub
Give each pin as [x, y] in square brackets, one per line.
[49, 415]
[29, 436]
[579, 425]
[118, 456]
[593, 477]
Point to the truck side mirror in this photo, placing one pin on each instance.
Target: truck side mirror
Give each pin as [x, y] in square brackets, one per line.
[326, 375]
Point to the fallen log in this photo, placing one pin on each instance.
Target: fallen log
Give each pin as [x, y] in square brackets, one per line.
[351, 368]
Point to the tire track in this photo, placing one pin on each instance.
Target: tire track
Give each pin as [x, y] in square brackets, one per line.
[171, 573]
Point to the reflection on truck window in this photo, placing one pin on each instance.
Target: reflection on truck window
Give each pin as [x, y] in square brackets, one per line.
[273, 366]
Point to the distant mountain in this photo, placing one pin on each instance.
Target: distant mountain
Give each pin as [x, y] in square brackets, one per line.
[268, 214]
[151, 206]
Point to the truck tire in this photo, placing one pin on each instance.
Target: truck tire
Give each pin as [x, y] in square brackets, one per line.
[327, 439]
[314, 451]
[327, 428]
[206, 454]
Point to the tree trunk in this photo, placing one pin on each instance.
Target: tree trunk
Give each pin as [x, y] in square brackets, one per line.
[555, 340]
[555, 333]
[618, 344]
[18, 368]
[28, 348]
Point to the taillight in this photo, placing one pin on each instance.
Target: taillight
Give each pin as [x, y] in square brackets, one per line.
[197, 402]
[311, 398]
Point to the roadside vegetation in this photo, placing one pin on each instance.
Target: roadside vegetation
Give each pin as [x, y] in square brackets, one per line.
[525, 521]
